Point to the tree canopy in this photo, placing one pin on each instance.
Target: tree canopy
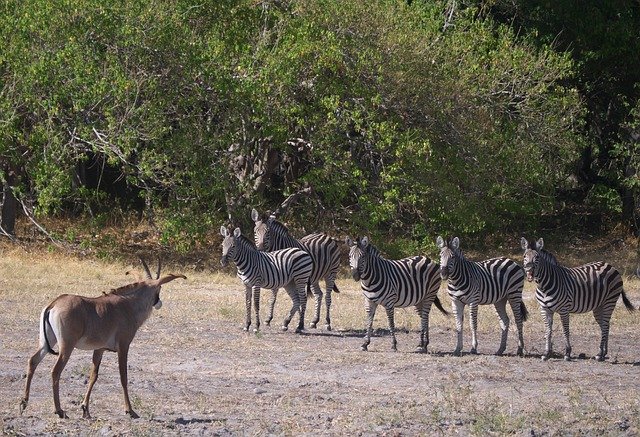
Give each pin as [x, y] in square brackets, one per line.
[413, 118]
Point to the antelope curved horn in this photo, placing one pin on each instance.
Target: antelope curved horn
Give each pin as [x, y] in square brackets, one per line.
[159, 267]
[146, 268]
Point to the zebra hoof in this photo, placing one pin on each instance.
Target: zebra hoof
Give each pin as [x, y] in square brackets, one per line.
[328, 327]
[256, 330]
[312, 325]
[567, 358]
[364, 348]
[299, 330]
[599, 358]
[474, 351]
[267, 322]
[246, 328]
[285, 328]
[457, 353]
[499, 352]
[544, 357]
[421, 350]
[520, 352]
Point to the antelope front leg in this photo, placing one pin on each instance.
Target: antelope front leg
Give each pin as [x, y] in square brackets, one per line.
[97, 359]
[370, 307]
[63, 357]
[123, 352]
[458, 312]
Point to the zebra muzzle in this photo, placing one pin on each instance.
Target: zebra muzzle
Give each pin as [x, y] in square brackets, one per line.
[355, 274]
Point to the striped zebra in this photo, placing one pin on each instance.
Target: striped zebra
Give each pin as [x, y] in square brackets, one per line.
[394, 284]
[288, 268]
[591, 287]
[273, 235]
[494, 281]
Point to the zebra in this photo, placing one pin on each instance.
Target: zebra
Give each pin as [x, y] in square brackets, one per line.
[591, 287]
[273, 235]
[494, 281]
[394, 284]
[288, 268]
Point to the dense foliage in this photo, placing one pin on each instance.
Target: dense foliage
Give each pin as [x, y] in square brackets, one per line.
[417, 117]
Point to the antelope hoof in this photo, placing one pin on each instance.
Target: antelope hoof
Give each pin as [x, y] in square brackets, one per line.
[23, 405]
[85, 412]
[133, 414]
[61, 414]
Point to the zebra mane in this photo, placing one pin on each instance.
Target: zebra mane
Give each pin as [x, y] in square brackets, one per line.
[245, 242]
[277, 226]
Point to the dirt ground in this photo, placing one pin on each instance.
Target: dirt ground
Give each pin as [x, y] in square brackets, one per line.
[193, 371]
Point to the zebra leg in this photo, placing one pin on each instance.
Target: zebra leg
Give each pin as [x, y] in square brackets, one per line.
[256, 307]
[329, 282]
[295, 306]
[516, 307]
[370, 307]
[392, 328]
[501, 309]
[423, 310]
[317, 296]
[247, 301]
[603, 317]
[458, 311]
[564, 317]
[272, 304]
[547, 314]
[302, 296]
[473, 319]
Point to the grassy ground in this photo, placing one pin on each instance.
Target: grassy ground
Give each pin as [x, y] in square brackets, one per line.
[193, 371]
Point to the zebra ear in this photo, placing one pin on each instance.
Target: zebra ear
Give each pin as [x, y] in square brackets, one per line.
[255, 216]
[364, 242]
[349, 242]
[539, 244]
[440, 242]
[524, 243]
[455, 243]
[223, 231]
[237, 232]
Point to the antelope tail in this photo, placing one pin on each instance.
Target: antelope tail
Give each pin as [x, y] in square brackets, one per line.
[45, 322]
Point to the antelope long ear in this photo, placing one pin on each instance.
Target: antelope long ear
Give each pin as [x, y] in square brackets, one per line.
[237, 232]
[539, 244]
[254, 215]
[455, 243]
[524, 243]
[224, 231]
[440, 242]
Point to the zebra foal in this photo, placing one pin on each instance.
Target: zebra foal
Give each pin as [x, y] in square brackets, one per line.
[272, 235]
[494, 281]
[591, 287]
[394, 284]
[288, 268]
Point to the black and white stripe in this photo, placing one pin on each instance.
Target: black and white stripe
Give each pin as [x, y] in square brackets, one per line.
[494, 281]
[592, 287]
[272, 235]
[394, 284]
[288, 268]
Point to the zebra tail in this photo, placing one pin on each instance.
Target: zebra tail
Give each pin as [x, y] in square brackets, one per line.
[627, 302]
[440, 307]
[335, 288]
[45, 320]
[524, 312]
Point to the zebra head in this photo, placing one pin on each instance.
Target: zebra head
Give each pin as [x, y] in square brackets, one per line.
[357, 251]
[449, 252]
[260, 232]
[531, 257]
[228, 244]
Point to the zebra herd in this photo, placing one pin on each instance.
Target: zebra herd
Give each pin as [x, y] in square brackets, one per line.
[276, 259]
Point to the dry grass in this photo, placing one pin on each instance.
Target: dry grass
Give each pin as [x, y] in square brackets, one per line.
[193, 370]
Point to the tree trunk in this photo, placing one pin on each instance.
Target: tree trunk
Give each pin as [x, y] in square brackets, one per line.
[9, 206]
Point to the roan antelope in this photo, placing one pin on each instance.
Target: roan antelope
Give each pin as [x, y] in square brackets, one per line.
[104, 323]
